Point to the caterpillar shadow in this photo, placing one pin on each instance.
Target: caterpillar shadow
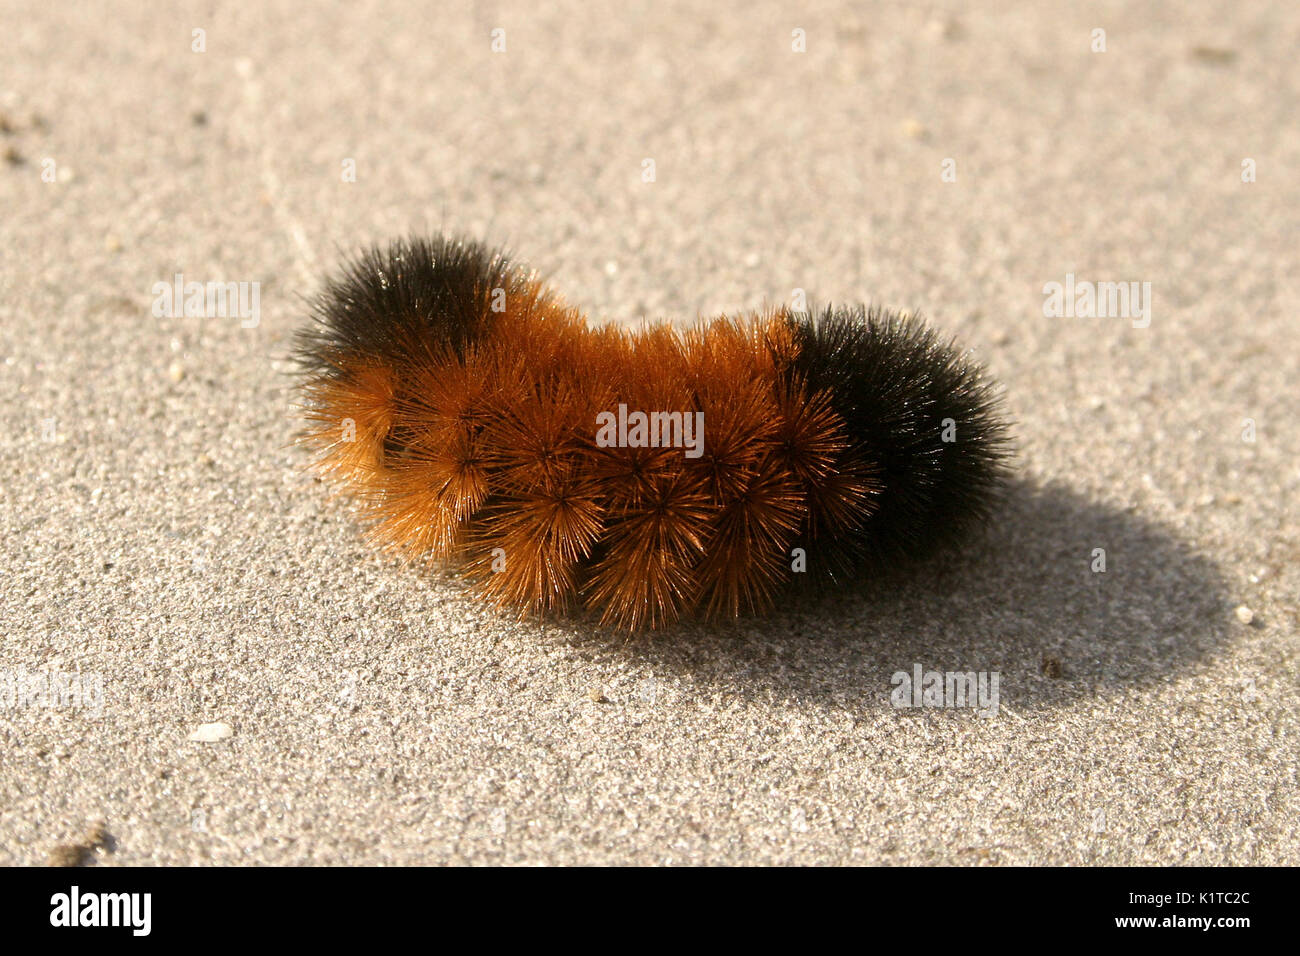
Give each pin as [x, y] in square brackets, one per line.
[1022, 599]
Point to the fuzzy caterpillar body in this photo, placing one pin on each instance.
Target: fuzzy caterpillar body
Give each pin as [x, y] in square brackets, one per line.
[468, 411]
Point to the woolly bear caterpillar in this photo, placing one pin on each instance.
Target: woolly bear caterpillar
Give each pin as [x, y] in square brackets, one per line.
[642, 474]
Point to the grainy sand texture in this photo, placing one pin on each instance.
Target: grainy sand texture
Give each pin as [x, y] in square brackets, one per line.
[204, 662]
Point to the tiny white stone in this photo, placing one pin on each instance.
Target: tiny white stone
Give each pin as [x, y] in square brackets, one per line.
[1244, 614]
[209, 733]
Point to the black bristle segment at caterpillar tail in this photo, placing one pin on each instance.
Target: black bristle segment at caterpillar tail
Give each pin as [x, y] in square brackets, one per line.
[471, 414]
[920, 414]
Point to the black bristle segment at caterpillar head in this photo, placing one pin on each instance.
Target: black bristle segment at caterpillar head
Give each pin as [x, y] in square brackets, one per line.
[391, 318]
[413, 293]
[921, 417]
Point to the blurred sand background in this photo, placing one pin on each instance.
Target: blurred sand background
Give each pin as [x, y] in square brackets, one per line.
[160, 536]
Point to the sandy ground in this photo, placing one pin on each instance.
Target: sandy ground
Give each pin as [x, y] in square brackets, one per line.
[161, 538]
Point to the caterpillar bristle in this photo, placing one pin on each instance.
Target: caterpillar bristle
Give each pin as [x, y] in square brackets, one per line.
[923, 416]
[471, 414]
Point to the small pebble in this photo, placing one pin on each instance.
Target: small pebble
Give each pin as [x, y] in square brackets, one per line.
[176, 371]
[67, 854]
[1244, 614]
[210, 733]
[914, 129]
